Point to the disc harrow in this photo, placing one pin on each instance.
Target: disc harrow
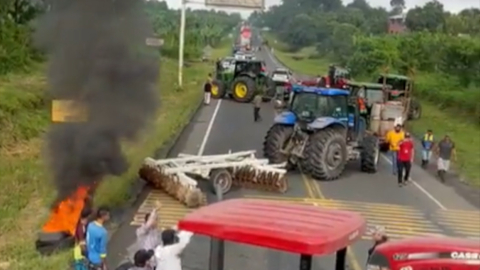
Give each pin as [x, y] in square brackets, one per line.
[241, 169]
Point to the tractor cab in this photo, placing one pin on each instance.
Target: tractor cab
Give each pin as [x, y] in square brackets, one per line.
[241, 79]
[436, 253]
[401, 90]
[303, 229]
[318, 107]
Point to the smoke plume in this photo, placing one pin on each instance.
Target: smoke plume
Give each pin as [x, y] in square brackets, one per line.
[97, 56]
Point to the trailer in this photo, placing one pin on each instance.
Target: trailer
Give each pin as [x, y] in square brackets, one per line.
[178, 176]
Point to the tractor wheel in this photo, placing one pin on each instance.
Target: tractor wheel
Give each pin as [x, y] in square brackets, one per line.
[326, 152]
[369, 154]
[415, 110]
[243, 89]
[276, 139]
[222, 179]
[218, 90]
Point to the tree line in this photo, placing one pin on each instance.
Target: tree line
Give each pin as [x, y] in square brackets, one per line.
[441, 49]
[17, 23]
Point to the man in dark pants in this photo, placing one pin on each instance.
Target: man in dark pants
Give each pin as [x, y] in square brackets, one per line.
[405, 159]
[444, 150]
[257, 103]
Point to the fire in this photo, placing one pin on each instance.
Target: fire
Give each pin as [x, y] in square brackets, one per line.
[65, 216]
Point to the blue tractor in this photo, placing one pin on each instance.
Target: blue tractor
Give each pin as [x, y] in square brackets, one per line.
[320, 132]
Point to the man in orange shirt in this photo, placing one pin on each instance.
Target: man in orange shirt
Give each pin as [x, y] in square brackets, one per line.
[393, 138]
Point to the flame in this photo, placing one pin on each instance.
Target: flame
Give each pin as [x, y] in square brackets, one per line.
[65, 217]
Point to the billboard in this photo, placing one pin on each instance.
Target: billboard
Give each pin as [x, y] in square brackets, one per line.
[249, 4]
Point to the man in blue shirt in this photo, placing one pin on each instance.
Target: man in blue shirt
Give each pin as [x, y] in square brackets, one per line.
[97, 238]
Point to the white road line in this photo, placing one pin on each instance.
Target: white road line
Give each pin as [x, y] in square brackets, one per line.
[209, 129]
[422, 189]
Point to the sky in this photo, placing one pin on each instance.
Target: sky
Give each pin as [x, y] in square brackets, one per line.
[450, 5]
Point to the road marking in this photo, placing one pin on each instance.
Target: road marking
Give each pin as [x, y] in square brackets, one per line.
[422, 189]
[315, 192]
[399, 221]
[170, 213]
[466, 223]
[209, 128]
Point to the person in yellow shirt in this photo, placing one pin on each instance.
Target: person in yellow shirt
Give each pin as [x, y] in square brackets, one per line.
[393, 138]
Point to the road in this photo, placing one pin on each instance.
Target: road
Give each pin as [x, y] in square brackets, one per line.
[425, 207]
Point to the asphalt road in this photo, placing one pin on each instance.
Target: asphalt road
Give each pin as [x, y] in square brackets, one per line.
[426, 207]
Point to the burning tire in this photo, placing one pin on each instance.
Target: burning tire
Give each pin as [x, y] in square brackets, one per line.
[48, 243]
[243, 89]
[326, 154]
[276, 139]
[218, 90]
[369, 155]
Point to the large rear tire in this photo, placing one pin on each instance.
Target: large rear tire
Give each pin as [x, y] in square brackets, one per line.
[248, 93]
[369, 154]
[326, 154]
[275, 140]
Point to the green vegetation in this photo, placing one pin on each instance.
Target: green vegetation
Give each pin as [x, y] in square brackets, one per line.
[442, 54]
[24, 117]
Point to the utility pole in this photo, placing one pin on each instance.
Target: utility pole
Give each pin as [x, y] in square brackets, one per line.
[182, 42]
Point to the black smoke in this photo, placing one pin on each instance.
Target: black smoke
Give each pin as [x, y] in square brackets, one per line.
[97, 56]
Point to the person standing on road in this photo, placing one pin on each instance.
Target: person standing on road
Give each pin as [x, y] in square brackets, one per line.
[207, 89]
[444, 150]
[97, 238]
[257, 104]
[168, 255]
[379, 237]
[393, 138]
[427, 146]
[406, 154]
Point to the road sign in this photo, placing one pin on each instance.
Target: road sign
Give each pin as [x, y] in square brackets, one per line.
[249, 4]
[154, 42]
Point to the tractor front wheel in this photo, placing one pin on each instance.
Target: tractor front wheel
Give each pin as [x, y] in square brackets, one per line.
[243, 89]
[326, 153]
[218, 90]
[369, 154]
[276, 140]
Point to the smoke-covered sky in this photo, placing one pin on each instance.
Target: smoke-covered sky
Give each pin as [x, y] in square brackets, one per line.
[450, 5]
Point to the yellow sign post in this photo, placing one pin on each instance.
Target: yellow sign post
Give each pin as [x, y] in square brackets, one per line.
[68, 111]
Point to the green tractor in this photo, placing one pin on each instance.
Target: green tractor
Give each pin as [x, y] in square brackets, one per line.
[402, 88]
[242, 80]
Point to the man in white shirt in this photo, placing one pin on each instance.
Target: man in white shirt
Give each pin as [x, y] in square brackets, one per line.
[168, 255]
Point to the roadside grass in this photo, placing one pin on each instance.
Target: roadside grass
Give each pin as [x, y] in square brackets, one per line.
[26, 190]
[465, 133]
[305, 61]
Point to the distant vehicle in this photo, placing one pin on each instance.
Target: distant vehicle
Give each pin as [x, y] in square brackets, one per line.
[283, 79]
[282, 75]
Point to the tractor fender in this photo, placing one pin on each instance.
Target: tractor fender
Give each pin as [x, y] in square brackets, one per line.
[324, 122]
[286, 118]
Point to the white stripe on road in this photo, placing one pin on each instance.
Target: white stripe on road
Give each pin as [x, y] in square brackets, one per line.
[209, 128]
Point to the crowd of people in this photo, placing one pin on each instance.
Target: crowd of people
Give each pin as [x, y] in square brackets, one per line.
[154, 249]
[402, 153]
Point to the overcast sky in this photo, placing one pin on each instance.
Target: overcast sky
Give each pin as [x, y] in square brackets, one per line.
[451, 5]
